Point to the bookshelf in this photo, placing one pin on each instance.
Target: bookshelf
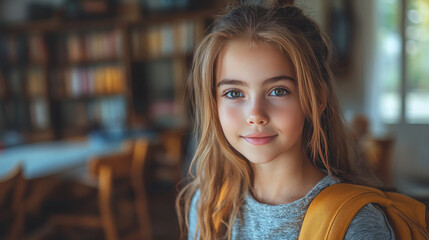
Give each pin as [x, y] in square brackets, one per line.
[61, 79]
[24, 98]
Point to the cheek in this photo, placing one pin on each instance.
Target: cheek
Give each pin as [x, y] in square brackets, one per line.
[229, 118]
[290, 119]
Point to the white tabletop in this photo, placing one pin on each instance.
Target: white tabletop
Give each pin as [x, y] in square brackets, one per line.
[42, 159]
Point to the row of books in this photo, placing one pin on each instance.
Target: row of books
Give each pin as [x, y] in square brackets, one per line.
[101, 112]
[20, 115]
[36, 82]
[39, 113]
[95, 80]
[14, 115]
[93, 46]
[21, 49]
[165, 39]
[13, 82]
[165, 78]
[31, 82]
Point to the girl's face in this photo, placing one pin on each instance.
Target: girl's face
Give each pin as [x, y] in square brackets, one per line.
[258, 102]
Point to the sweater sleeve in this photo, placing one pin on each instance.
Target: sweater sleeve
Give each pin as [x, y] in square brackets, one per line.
[370, 223]
[193, 216]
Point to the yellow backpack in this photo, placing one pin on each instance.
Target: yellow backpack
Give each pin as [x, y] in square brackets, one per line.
[330, 213]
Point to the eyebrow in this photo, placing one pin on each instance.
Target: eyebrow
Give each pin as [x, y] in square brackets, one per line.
[242, 83]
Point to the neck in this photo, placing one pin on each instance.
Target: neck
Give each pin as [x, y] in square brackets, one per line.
[284, 181]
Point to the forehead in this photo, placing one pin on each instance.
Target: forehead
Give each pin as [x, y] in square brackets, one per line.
[246, 60]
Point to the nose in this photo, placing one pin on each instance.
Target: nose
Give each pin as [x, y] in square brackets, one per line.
[257, 114]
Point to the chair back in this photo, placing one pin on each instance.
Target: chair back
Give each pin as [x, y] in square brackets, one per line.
[380, 154]
[172, 142]
[12, 206]
[120, 164]
[126, 165]
[140, 156]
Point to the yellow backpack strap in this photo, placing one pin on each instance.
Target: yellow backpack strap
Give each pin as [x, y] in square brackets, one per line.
[331, 212]
[407, 217]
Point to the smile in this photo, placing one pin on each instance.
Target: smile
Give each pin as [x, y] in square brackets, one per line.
[259, 140]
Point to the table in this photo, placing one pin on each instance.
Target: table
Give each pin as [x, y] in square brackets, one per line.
[45, 163]
[44, 159]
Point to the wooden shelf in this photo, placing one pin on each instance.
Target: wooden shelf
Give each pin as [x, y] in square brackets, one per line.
[56, 25]
[93, 62]
[162, 57]
[32, 26]
[65, 40]
[171, 17]
[89, 97]
[23, 64]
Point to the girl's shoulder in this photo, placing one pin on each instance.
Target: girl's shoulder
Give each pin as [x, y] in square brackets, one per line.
[193, 215]
[193, 207]
[370, 223]
[195, 199]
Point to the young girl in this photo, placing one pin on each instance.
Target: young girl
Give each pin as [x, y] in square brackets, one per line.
[269, 128]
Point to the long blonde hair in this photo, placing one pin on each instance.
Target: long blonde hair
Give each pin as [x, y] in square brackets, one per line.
[218, 166]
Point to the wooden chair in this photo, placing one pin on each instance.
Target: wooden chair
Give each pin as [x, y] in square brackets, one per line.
[427, 220]
[380, 154]
[169, 157]
[116, 172]
[12, 205]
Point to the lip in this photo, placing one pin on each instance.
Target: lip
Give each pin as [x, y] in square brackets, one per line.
[259, 138]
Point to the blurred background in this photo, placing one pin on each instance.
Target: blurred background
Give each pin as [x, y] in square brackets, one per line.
[94, 124]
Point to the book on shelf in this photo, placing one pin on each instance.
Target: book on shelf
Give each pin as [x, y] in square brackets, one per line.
[102, 112]
[164, 79]
[15, 80]
[74, 48]
[167, 38]
[164, 39]
[112, 111]
[13, 49]
[167, 113]
[95, 80]
[94, 46]
[154, 42]
[187, 36]
[36, 82]
[39, 113]
[37, 49]
[19, 48]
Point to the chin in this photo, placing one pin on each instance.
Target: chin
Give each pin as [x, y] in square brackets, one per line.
[254, 158]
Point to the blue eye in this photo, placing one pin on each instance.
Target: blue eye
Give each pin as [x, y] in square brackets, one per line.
[278, 92]
[232, 94]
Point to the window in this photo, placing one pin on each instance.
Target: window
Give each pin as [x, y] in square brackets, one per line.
[417, 61]
[403, 60]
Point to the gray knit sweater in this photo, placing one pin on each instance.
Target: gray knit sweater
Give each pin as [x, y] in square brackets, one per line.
[262, 221]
